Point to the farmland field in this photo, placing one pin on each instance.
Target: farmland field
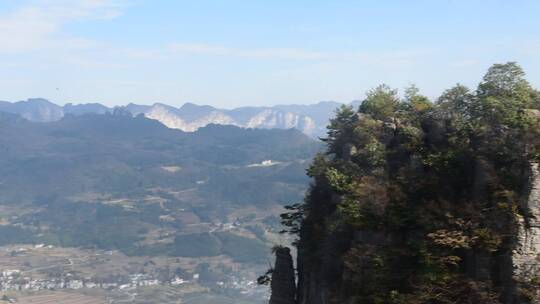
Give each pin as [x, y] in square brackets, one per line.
[59, 298]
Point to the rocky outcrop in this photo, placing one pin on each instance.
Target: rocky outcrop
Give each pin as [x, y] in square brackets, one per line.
[526, 257]
[283, 279]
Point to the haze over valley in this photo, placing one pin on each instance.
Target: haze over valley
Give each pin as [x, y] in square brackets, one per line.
[201, 208]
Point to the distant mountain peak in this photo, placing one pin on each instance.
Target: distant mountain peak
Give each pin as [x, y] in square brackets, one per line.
[37, 100]
[189, 105]
[34, 109]
[310, 119]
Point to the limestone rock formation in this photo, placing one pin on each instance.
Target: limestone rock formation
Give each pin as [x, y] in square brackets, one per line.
[526, 257]
[283, 279]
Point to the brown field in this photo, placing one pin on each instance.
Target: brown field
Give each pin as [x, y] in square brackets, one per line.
[60, 298]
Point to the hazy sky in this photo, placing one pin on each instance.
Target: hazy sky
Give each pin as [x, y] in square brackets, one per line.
[252, 52]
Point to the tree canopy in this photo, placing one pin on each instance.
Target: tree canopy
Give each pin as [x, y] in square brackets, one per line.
[426, 196]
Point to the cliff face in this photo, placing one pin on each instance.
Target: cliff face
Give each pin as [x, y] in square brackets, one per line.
[526, 257]
[190, 118]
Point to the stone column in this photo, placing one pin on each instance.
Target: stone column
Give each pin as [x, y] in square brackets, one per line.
[283, 278]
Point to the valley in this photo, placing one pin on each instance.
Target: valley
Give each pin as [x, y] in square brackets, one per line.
[119, 209]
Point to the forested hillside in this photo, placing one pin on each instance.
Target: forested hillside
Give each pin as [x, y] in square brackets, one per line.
[423, 202]
[105, 200]
[119, 182]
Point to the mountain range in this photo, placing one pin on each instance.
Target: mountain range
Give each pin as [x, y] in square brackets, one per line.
[310, 119]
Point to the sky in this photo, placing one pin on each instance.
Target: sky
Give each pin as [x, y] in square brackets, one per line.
[230, 53]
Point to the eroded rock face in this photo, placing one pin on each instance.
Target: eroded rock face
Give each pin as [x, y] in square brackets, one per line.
[283, 279]
[526, 257]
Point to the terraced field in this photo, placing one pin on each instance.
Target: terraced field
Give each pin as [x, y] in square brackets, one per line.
[60, 298]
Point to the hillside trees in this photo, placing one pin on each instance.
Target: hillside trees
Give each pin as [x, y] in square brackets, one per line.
[417, 202]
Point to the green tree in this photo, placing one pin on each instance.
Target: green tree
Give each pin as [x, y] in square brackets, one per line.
[417, 101]
[340, 129]
[506, 79]
[456, 100]
[381, 102]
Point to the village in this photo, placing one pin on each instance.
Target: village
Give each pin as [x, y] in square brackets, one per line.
[110, 273]
[14, 280]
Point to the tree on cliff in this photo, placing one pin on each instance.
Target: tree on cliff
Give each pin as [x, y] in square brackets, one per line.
[417, 202]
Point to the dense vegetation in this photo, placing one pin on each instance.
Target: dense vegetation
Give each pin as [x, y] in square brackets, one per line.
[418, 201]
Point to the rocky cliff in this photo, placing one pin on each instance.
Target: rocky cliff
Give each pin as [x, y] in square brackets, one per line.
[526, 257]
[192, 117]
